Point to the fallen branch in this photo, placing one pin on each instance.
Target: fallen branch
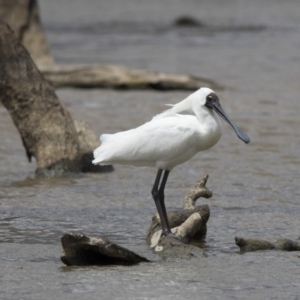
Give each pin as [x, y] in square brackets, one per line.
[121, 77]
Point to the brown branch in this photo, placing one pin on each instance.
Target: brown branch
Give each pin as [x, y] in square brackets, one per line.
[197, 191]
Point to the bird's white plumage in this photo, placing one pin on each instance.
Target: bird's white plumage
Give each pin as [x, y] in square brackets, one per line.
[169, 139]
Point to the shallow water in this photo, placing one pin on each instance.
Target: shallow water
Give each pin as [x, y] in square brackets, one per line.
[250, 47]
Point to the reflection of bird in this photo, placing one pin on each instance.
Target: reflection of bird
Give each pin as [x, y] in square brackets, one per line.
[168, 140]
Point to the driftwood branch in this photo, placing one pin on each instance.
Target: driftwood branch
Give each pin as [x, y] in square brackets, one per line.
[121, 77]
[248, 245]
[197, 191]
[188, 224]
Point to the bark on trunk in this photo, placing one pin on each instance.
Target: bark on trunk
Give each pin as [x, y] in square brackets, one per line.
[23, 17]
[47, 129]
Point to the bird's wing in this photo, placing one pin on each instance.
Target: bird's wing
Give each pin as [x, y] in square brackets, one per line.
[161, 139]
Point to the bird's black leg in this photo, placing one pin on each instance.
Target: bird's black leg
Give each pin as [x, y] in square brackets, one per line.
[155, 193]
[159, 197]
[156, 184]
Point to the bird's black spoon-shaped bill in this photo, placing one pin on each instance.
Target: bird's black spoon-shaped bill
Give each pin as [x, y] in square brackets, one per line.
[242, 135]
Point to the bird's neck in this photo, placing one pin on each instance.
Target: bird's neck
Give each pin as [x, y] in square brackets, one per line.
[210, 125]
[207, 116]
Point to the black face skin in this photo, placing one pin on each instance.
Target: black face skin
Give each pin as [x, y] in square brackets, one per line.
[212, 102]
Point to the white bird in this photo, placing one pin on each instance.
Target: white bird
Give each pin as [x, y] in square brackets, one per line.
[169, 139]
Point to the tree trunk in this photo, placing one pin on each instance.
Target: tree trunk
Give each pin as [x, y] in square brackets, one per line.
[23, 17]
[46, 127]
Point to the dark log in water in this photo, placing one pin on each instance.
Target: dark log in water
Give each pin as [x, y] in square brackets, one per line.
[46, 127]
[248, 245]
[79, 250]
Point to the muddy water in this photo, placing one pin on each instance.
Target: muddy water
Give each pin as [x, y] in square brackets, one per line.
[252, 48]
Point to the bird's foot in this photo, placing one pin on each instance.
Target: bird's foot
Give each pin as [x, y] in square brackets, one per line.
[168, 233]
[172, 235]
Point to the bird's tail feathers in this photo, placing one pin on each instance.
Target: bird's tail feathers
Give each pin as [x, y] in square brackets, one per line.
[100, 153]
[100, 157]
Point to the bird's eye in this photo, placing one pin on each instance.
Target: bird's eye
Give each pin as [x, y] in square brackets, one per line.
[209, 98]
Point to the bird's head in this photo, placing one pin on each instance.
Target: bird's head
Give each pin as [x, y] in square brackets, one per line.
[208, 99]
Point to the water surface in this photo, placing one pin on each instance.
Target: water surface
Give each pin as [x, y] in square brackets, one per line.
[250, 47]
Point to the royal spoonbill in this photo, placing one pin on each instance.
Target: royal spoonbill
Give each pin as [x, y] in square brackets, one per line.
[169, 139]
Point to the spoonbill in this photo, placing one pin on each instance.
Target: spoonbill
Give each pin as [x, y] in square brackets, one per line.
[169, 139]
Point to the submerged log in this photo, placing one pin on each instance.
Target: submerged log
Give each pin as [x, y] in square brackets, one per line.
[80, 250]
[121, 77]
[46, 127]
[249, 245]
